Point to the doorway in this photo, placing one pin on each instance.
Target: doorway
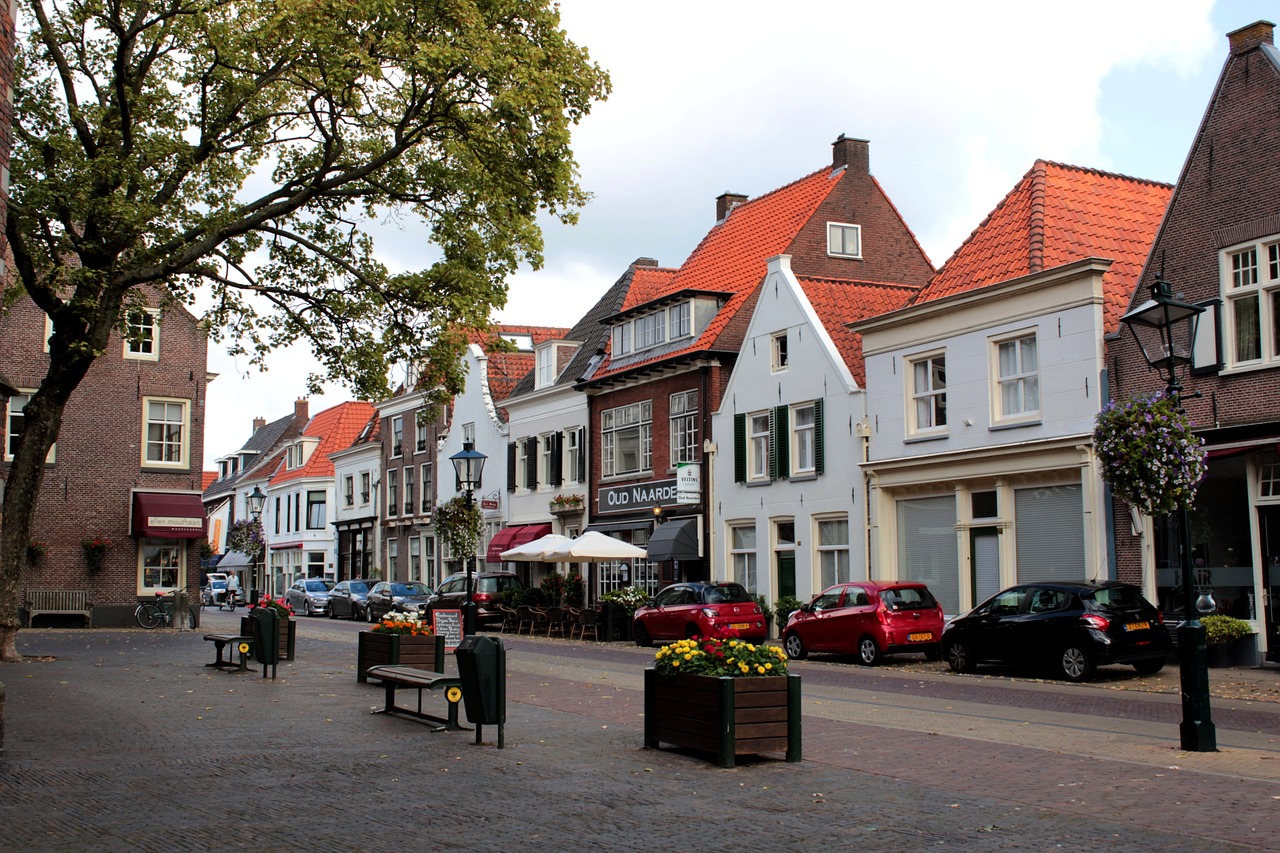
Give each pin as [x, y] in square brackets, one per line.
[984, 560]
[1269, 533]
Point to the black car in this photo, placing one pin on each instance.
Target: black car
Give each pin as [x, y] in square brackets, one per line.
[1071, 627]
[387, 596]
[489, 590]
[347, 599]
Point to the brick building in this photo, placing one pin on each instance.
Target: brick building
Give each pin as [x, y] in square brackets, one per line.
[1219, 247]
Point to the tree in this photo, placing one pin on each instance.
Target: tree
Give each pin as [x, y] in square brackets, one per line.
[232, 150]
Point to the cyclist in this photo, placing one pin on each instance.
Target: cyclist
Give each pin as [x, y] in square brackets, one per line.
[233, 591]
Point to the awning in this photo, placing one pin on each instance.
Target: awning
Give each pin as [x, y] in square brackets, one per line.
[168, 515]
[509, 537]
[235, 560]
[674, 540]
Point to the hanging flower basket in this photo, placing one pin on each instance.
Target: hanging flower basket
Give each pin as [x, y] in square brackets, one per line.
[95, 551]
[1150, 457]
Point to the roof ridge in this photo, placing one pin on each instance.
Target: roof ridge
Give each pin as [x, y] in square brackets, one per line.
[858, 282]
[1104, 173]
[1035, 223]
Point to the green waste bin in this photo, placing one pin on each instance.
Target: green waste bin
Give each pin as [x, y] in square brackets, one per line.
[264, 627]
[482, 669]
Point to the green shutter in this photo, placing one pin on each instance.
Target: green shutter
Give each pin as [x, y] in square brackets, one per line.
[739, 448]
[817, 437]
[780, 442]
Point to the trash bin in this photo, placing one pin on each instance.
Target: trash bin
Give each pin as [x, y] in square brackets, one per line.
[617, 621]
[482, 669]
[264, 627]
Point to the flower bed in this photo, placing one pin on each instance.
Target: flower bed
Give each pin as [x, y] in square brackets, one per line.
[402, 639]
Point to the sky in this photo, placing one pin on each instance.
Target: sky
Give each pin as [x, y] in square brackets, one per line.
[958, 100]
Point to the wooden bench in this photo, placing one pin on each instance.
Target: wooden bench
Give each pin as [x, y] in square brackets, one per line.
[242, 646]
[58, 602]
[394, 677]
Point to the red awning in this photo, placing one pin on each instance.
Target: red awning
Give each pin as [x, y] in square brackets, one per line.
[509, 537]
[168, 515]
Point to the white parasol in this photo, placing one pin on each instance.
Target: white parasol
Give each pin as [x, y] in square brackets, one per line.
[532, 552]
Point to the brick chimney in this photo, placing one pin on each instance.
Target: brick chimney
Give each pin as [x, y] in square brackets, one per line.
[726, 202]
[259, 423]
[854, 153]
[644, 262]
[1247, 38]
[300, 409]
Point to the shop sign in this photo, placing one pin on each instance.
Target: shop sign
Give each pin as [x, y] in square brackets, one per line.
[640, 496]
[689, 483]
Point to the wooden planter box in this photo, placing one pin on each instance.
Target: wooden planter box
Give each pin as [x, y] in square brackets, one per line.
[288, 635]
[422, 652]
[725, 716]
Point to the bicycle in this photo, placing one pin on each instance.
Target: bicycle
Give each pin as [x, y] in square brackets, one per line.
[153, 614]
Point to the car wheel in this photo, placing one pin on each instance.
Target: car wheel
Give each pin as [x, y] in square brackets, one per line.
[641, 634]
[959, 658]
[1149, 667]
[331, 613]
[794, 647]
[306, 608]
[868, 652]
[1075, 663]
[933, 653]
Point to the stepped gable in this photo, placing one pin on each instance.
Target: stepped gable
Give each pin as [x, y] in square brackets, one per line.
[337, 428]
[839, 302]
[1055, 215]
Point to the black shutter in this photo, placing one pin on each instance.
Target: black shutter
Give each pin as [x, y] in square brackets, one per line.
[555, 475]
[780, 442]
[531, 462]
[817, 437]
[739, 448]
[582, 455]
[511, 466]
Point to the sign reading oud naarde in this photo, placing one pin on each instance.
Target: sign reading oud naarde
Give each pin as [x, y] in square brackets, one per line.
[637, 496]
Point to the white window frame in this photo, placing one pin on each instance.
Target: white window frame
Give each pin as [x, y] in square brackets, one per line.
[349, 490]
[163, 558]
[545, 447]
[778, 354]
[11, 433]
[574, 440]
[145, 345]
[415, 559]
[844, 240]
[393, 553]
[621, 340]
[683, 418]
[680, 321]
[312, 522]
[804, 439]
[842, 568]
[365, 490]
[929, 395]
[183, 442]
[621, 420]
[758, 447]
[397, 436]
[1024, 381]
[393, 492]
[650, 330]
[522, 464]
[1250, 275]
[469, 433]
[410, 491]
[546, 366]
[744, 558]
[427, 486]
[420, 432]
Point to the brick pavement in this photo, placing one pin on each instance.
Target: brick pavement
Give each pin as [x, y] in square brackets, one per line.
[127, 741]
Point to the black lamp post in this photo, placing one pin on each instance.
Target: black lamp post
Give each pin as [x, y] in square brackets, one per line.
[469, 465]
[255, 501]
[1165, 329]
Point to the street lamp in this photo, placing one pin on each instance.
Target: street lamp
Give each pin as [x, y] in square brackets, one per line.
[255, 501]
[1165, 329]
[469, 465]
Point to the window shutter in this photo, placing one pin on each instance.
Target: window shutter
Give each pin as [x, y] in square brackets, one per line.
[555, 475]
[511, 466]
[780, 444]
[817, 437]
[582, 455]
[739, 448]
[531, 462]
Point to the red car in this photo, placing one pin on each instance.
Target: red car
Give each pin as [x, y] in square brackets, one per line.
[686, 610]
[868, 618]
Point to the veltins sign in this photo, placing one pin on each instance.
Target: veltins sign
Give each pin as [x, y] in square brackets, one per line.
[689, 483]
[637, 496]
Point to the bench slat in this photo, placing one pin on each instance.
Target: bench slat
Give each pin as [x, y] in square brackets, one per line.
[58, 602]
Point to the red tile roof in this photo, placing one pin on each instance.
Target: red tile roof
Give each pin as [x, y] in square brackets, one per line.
[839, 303]
[1055, 215]
[508, 368]
[336, 428]
[732, 259]
[208, 479]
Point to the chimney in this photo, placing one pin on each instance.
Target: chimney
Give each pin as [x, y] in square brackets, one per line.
[259, 423]
[644, 262]
[726, 202]
[854, 153]
[1247, 38]
[300, 410]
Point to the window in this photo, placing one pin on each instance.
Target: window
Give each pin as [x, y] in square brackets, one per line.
[420, 431]
[621, 340]
[393, 551]
[651, 330]
[415, 559]
[165, 432]
[844, 241]
[393, 492]
[758, 448]
[428, 487]
[349, 491]
[141, 335]
[397, 436]
[928, 393]
[276, 514]
[577, 461]
[548, 468]
[469, 433]
[742, 555]
[409, 492]
[546, 374]
[364, 488]
[804, 447]
[684, 428]
[315, 567]
[293, 456]
[1251, 292]
[1017, 378]
[778, 348]
[429, 551]
[833, 552]
[927, 549]
[160, 564]
[15, 422]
[626, 441]
[679, 319]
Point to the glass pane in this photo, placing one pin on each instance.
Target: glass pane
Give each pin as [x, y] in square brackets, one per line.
[1248, 344]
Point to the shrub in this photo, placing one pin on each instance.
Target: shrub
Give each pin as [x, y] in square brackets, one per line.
[1220, 628]
[783, 608]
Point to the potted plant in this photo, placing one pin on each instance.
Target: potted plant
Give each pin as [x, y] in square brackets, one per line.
[95, 550]
[401, 639]
[723, 696]
[36, 550]
[288, 627]
[782, 609]
[617, 607]
[567, 503]
[1223, 635]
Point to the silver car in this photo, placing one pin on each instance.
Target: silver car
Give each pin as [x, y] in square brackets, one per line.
[309, 596]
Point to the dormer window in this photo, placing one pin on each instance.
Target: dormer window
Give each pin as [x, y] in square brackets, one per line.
[546, 361]
[654, 329]
[844, 240]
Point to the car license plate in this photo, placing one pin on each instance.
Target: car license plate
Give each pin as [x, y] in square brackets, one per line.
[1137, 626]
[740, 626]
[922, 637]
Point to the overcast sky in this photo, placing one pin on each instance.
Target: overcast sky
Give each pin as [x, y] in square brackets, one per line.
[957, 99]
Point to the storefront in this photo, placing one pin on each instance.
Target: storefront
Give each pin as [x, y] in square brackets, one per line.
[165, 524]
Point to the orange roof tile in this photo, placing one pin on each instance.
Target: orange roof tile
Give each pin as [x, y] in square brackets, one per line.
[336, 428]
[1055, 215]
[839, 303]
[208, 478]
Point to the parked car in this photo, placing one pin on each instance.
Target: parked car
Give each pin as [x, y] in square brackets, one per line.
[347, 600]
[489, 590]
[403, 597]
[214, 589]
[309, 596]
[1070, 627]
[867, 618]
[700, 610]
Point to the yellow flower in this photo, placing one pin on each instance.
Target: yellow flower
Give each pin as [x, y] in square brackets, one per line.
[768, 666]
[760, 669]
[688, 657]
[675, 663]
